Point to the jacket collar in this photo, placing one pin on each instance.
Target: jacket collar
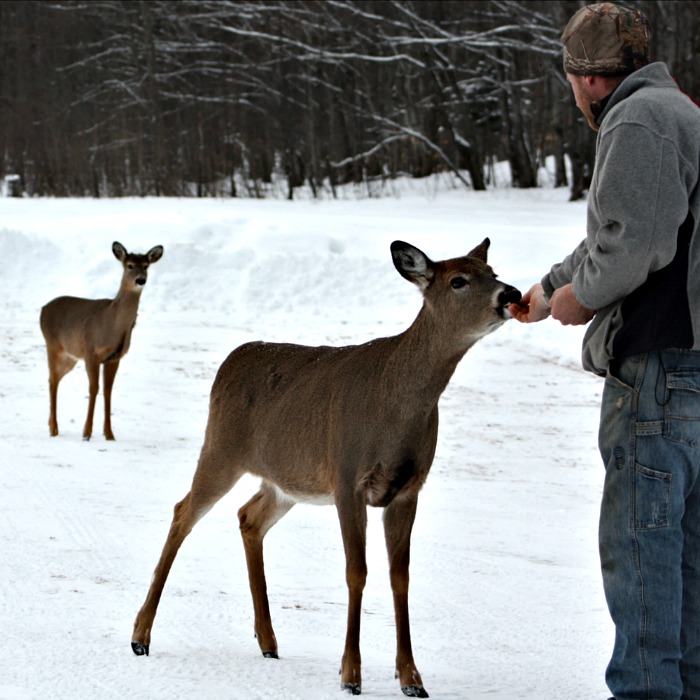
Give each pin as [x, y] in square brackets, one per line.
[653, 75]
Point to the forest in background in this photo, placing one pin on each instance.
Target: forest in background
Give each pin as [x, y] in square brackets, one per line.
[109, 98]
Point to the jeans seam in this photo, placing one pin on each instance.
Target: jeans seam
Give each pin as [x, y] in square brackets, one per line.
[643, 658]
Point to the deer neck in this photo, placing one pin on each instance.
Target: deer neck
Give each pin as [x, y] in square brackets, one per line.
[425, 358]
[126, 303]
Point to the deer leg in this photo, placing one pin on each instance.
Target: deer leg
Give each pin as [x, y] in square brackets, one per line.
[256, 517]
[398, 523]
[59, 365]
[352, 513]
[109, 371]
[92, 366]
[212, 480]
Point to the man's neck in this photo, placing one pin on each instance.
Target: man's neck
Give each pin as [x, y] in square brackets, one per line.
[598, 107]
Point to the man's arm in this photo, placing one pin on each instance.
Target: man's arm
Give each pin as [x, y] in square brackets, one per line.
[563, 307]
[567, 309]
[639, 203]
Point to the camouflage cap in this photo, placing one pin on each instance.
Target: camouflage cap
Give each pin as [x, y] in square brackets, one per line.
[606, 39]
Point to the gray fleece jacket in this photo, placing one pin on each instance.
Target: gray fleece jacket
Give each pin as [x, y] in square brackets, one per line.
[639, 265]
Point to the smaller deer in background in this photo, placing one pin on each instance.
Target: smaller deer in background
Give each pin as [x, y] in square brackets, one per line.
[97, 331]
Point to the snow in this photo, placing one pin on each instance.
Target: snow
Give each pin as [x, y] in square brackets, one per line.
[506, 599]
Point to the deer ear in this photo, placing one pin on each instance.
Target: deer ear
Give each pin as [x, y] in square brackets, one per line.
[480, 251]
[155, 254]
[119, 251]
[413, 264]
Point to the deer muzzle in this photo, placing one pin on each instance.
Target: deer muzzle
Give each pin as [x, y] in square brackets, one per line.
[510, 295]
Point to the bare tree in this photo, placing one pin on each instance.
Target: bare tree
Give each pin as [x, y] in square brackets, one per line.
[212, 97]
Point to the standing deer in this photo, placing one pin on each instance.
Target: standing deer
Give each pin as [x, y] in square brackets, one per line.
[97, 331]
[352, 426]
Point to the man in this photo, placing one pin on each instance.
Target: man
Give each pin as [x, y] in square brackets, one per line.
[636, 279]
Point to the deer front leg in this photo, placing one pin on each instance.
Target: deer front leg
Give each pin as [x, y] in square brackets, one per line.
[92, 366]
[398, 523]
[256, 517]
[352, 513]
[109, 371]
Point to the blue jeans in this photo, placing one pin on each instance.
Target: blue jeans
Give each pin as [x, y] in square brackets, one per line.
[650, 524]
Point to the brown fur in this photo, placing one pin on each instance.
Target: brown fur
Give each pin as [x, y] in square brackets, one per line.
[354, 426]
[97, 331]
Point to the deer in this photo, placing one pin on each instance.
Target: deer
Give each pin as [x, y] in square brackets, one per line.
[97, 331]
[352, 426]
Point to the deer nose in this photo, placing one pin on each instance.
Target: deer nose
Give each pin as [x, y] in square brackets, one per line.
[141, 280]
[510, 295]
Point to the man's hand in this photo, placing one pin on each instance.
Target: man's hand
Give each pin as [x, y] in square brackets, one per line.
[566, 308]
[532, 307]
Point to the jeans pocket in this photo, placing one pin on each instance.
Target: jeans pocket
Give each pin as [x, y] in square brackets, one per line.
[652, 493]
[616, 428]
[682, 406]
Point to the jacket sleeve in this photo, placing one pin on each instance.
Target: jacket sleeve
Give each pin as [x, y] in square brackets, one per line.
[639, 202]
[562, 273]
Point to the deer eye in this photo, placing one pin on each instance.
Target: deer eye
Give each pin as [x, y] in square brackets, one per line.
[459, 282]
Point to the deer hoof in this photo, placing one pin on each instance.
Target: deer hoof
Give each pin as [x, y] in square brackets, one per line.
[352, 688]
[415, 691]
[139, 649]
[270, 655]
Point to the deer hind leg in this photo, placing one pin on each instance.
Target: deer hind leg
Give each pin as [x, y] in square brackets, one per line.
[109, 371]
[398, 523]
[213, 479]
[256, 517]
[352, 514]
[59, 365]
[92, 366]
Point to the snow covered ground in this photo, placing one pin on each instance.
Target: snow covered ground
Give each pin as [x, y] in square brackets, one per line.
[506, 599]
